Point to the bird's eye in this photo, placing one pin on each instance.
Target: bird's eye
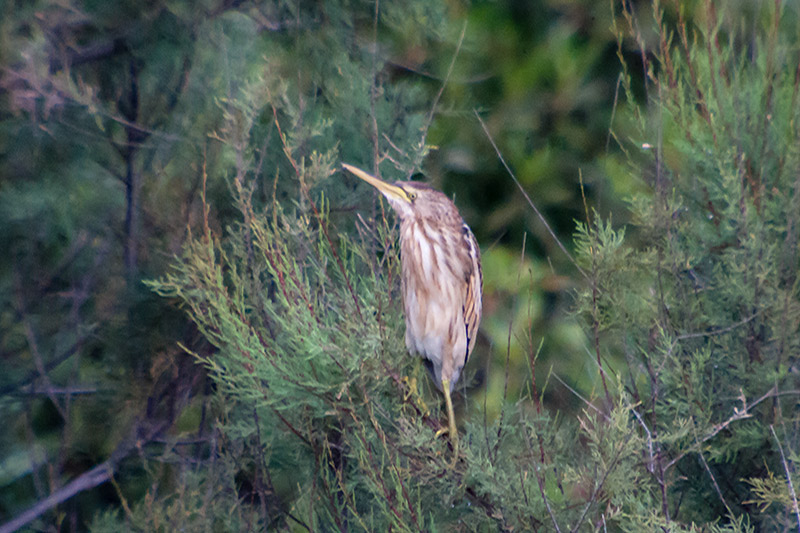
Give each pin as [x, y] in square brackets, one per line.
[412, 196]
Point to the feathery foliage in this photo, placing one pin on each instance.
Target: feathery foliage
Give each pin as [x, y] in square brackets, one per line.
[312, 416]
[692, 317]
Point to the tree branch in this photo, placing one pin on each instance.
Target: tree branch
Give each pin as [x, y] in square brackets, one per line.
[88, 480]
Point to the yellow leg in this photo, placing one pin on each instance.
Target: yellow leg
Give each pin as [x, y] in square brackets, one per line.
[451, 417]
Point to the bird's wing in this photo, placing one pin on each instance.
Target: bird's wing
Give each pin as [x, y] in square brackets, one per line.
[473, 296]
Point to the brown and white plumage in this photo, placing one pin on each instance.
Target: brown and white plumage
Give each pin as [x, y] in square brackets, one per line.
[441, 286]
[441, 279]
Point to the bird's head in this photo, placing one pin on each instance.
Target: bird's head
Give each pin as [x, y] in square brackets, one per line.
[409, 199]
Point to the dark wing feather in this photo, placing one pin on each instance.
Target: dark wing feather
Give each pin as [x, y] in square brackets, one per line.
[473, 296]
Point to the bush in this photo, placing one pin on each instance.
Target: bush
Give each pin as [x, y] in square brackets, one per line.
[692, 317]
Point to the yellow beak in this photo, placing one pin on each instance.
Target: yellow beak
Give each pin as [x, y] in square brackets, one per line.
[387, 189]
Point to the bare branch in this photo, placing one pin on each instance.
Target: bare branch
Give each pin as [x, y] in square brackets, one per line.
[88, 480]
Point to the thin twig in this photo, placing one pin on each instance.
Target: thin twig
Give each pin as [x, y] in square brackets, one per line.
[603, 479]
[539, 478]
[613, 110]
[595, 292]
[788, 477]
[508, 350]
[540, 482]
[373, 93]
[649, 440]
[718, 331]
[33, 345]
[528, 198]
[738, 414]
[485, 421]
[54, 362]
[322, 223]
[577, 394]
[432, 112]
[714, 482]
[72, 390]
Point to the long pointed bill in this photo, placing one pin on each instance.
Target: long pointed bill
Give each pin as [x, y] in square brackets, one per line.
[387, 189]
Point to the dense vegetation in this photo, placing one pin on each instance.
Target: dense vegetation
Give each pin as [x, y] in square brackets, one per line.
[200, 324]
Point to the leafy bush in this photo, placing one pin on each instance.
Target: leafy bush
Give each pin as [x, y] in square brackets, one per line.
[693, 318]
[315, 418]
[701, 304]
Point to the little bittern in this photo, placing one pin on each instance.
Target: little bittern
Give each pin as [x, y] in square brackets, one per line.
[441, 280]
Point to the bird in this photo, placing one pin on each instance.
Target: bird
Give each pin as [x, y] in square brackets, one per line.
[441, 280]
